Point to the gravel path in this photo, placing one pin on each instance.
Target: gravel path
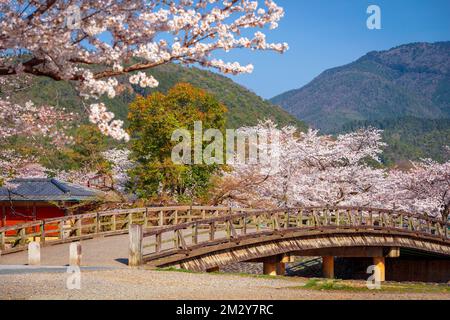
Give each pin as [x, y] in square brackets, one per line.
[145, 284]
[105, 252]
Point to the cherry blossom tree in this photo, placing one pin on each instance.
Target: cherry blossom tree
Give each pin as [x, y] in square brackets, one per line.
[425, 188]
[29, 122]
[315, 170]
[310, 169]
[120, 165]
[91, 43]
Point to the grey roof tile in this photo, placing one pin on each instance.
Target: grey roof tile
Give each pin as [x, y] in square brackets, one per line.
[37, 189]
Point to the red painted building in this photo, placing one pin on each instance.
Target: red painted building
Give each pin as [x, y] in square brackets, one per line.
[37, 199]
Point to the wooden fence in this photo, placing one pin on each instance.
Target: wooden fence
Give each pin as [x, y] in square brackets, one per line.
[100, 224]
[174, 228]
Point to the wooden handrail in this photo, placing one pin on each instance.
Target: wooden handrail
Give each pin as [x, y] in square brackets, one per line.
[159, 220]
[83, 226]
[289, 220]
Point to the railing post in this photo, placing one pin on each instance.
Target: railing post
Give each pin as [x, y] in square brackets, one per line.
[181, 243]
[78, 226]
[288, 219]
[316, 219]
[338, 217]
[22, 235]
[349, 216]
[325, 216]
[176, 239]
[130, 218]
[158, 242]
[2, 240]
[195, 234]
[42, 226]
[146, 218]
[161, 218]
[446, 229]
[135, 246]
[212, 231]
[190, 214]
[300, 218]
[113, 223]
[276, 225]
[97, 223]
[429, 226]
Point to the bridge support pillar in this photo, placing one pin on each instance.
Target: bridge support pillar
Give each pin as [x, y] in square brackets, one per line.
[215, 269]
[274, 266]
[328, 267]
[380, 273]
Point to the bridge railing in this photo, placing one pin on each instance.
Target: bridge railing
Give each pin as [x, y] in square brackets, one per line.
[198, 218]
[97, 224]
[236, 227]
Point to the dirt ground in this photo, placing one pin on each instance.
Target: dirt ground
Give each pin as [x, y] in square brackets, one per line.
[151, 284]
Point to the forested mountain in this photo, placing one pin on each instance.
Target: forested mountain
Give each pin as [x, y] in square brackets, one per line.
[405, 91]
[412, 80]
[411, 138]
[244, 107]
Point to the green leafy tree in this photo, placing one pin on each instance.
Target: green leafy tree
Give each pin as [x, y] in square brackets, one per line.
[84, 153]
[153, 120]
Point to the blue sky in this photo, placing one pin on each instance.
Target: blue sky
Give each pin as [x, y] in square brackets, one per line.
[327, 33]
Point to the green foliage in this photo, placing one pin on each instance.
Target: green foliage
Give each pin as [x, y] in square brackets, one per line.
[84, 153]
[245, 107]
[410, 138]
[87, 149]
[152, 122]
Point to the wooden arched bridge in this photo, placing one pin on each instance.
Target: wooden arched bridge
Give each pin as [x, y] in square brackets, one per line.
[208, 238]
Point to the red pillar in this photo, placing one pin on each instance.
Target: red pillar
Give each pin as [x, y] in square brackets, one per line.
[3, 216]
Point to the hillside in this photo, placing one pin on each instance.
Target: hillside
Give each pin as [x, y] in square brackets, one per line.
[411, 80]
[244, 107]
[410, 138]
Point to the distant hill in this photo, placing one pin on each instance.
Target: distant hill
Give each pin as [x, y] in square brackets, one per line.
[411, 80]
[410, 138]
[245, 107]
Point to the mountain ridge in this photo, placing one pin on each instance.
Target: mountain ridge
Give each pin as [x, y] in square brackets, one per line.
[411, 80]
[245, 108]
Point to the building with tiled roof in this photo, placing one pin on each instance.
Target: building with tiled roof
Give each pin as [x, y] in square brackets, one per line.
[37, 199]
